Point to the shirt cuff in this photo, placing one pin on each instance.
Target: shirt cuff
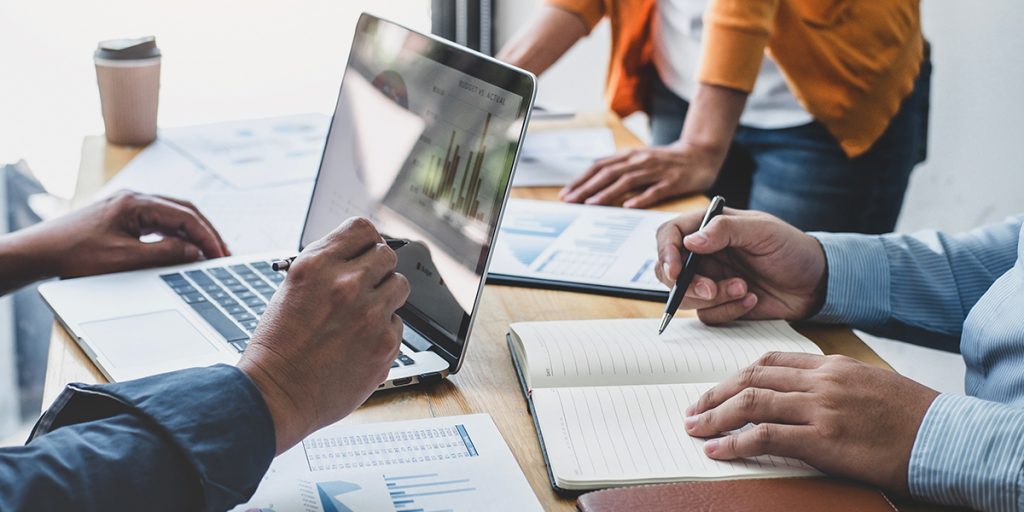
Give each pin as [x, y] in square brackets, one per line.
[215, 417]
[858, 280]
[969, 452]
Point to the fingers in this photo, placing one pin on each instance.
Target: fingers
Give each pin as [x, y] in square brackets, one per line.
[397, 327]
[352, 238]
[763, 439]
[169, 218]
[375, 265]
[626, 183]
[590, 172]
[601, 179]
[728, 311]
[705, 293]
[393, 292]
[169, 251]
[792, 360]
[754, 376]
[670, 247]
[189, 205]
[653, 195]
[752, 405]
[732, 229]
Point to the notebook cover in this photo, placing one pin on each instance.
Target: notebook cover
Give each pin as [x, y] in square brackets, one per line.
[570, 286]
[764, 495]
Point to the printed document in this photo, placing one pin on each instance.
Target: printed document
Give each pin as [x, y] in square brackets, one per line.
[455, 463]
[572, 243]
[553, 158]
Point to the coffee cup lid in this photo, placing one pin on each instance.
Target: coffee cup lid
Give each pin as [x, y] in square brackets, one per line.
[128, 49]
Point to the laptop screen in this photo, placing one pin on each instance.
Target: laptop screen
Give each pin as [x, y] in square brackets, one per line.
[423, 142]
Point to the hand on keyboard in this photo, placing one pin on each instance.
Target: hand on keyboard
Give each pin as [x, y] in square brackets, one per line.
[330, 333]
[104, 237]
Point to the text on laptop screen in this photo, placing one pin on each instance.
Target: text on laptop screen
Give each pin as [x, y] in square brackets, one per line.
[423, 144]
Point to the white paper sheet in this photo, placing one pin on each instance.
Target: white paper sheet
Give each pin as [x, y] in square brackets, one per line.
[575, 243]
[457, 463]
[255, 153]
[556, 157]
[251, 220]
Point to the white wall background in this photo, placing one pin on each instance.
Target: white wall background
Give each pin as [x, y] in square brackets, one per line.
[974, 174]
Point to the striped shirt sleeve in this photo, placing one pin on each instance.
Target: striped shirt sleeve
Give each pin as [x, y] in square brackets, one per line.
[969, 452]
[917, 288]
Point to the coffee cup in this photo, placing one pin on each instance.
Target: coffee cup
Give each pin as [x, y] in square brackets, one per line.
[128, 74]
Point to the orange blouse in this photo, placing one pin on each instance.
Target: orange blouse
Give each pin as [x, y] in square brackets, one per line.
[849, 62]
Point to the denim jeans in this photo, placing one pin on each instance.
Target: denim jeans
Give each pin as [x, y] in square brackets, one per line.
[802, 175]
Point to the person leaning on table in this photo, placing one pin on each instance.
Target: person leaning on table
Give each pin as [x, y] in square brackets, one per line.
[836, 160]
[844, 417]
[201, 439]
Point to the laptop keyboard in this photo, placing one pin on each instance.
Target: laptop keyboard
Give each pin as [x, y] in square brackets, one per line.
[232, 298]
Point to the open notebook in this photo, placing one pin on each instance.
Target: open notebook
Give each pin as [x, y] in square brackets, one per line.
[608, 396]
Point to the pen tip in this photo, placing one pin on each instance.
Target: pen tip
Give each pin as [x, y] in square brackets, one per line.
[664, 323]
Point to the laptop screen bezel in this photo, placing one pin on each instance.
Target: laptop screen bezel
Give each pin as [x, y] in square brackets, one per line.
[486, 69]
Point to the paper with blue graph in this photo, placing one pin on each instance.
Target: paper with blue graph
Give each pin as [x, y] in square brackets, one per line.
[579, 247]
[458, 463]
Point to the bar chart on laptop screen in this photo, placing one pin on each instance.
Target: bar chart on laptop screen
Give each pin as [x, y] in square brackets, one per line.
[456, 175]
[453, 178]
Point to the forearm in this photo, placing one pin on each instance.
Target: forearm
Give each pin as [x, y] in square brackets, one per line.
[24, 258]
[193, 439]
[79, 468]
[919, 287]
[544, 40]
[711, 122]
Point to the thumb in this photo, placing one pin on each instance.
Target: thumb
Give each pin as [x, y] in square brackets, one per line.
[169, 251]
[726, 231]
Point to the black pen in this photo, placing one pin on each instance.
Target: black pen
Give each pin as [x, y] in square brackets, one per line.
[675, 297]
[282, 265]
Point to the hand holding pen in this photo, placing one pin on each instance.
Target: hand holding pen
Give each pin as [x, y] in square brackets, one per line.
[752, 266]
[283, 265]
[675, 297]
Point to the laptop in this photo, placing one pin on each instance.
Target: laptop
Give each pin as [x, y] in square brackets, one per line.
[423, 141]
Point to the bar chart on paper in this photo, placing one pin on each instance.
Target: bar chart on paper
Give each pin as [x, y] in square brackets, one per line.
[592, 245]
[434, 465]
[421, 492]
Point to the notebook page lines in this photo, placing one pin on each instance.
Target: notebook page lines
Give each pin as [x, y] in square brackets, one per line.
[618, 352]
[635, 433]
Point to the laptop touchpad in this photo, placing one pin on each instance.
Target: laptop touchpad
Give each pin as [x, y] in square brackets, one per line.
[145, 340]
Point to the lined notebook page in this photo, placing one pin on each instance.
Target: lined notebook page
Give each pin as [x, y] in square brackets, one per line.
[634, 434]
[629, 351]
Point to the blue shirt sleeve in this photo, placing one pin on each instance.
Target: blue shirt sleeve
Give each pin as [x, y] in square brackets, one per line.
[968, 451]
[187, 440]
[917, 288]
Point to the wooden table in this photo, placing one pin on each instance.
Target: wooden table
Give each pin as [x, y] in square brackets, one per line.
[487, 382]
